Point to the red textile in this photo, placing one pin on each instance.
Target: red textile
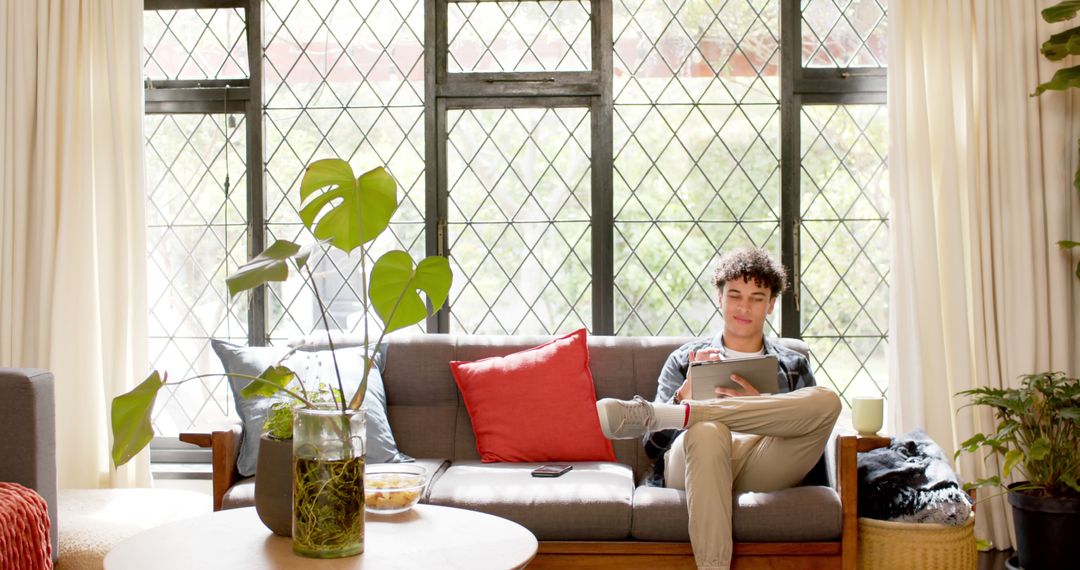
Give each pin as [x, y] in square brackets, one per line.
[24, 529]
[535, 405]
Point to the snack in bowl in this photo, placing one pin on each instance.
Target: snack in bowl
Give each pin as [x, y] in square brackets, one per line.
[393, 487]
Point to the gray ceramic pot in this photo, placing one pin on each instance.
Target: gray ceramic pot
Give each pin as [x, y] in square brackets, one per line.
[273, 485]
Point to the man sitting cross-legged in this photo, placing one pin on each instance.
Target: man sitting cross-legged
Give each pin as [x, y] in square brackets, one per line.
[742, 440]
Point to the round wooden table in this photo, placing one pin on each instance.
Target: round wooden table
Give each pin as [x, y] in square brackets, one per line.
[424, 537]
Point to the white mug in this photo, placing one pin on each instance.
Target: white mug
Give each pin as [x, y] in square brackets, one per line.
[866, 414]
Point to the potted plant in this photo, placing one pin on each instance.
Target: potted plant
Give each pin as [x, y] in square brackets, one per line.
[1058, 47]
[345, 212]
[1037, 438]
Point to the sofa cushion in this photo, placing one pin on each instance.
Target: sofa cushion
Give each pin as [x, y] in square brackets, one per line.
[591, 502]
[242, 493]
[535, 405]
[314, 367]
[798, 514]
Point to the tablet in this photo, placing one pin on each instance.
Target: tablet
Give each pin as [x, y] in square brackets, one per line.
[759, 371]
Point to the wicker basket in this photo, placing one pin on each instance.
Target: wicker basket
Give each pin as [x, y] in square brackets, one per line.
[885, 545]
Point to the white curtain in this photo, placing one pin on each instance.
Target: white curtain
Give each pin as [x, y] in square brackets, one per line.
[980, 179]
[72, 235]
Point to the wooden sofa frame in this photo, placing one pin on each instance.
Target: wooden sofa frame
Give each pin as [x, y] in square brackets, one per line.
[225, 445]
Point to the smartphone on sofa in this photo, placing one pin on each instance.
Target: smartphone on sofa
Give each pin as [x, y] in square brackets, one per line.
[551, 470]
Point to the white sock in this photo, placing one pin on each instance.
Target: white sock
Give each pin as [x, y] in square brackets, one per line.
[670, 416]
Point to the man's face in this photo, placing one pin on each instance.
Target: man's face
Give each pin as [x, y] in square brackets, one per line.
[745, 306]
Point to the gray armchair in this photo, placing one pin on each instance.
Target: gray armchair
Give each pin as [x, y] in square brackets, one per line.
[28, 435]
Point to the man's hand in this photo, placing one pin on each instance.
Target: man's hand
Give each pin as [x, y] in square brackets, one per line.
[685, 392]
[747, 389]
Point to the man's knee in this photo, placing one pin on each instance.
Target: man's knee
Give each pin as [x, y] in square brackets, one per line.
[710, 437]
[825, 403]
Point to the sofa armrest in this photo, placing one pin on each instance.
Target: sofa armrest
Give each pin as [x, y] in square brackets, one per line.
[847, 485]
[28, 436]
[224, 443]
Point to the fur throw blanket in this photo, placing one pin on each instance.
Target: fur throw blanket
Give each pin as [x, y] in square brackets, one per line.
[911, 481]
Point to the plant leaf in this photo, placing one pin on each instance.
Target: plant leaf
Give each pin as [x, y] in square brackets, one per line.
[1071, 482]
[994, 481]
[323, 173]
[394, 285]
[305, 252]
[1068, 244]
[1039, 448]
[1062, 44]
[270, 265]
[1061, 11]
[131, 427]
[278, 377]
[1063, 78]
[1013, 457]
[353, 212]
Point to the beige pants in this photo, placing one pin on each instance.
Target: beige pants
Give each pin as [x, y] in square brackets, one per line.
[779, 439]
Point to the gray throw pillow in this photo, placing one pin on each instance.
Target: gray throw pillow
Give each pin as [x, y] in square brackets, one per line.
[314, 368]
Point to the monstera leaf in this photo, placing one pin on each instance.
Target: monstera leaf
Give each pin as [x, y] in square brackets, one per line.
[395, 282]
[275, 377]
[357, 210]
[270, 265]
[131, 426]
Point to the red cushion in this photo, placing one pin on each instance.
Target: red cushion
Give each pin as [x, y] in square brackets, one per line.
[535, 405]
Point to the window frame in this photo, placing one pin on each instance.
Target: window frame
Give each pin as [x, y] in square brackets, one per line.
[800, 87]
[219, 96]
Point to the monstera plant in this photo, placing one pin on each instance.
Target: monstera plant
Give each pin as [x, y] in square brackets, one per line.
[347, 213]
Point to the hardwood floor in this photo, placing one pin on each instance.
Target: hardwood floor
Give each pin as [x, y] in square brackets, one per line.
[994, 559]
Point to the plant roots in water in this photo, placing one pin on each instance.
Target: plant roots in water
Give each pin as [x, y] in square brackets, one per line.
[328, 507]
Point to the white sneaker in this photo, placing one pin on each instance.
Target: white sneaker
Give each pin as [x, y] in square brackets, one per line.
[626, 419]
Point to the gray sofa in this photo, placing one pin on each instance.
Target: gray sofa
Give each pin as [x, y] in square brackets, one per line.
[28, 436]
[598, 514]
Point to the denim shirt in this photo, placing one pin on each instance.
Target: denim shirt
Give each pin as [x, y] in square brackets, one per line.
[793, 372]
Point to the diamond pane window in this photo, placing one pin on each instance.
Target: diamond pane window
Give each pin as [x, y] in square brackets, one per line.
[519, 36]
[196, 234]
[845, 245]
[519, 185]
[195, 44]
[697, 153]
[844, 33]
[342, 79]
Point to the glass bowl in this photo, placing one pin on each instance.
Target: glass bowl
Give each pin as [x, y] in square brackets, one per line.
[393, 487]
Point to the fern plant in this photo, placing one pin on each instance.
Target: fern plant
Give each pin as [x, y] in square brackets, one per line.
[1037, 434]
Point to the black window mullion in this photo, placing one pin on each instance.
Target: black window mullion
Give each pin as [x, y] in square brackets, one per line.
[434, 147]
[603, 214]
[790, 109]
[844, 80]
[255, 209]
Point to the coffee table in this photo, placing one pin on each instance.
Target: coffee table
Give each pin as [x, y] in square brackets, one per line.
[424, 537]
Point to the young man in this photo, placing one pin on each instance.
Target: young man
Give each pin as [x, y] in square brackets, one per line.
[742, 440]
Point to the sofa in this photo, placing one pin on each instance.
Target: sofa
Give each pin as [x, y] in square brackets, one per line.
[599, 514]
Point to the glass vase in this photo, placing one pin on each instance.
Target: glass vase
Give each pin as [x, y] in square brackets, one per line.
[328, 482]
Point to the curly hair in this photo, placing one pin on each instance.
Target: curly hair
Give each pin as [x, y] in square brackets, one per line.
[751, 263]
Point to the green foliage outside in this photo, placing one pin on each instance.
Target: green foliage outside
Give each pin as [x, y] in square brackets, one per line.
[696, 171]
